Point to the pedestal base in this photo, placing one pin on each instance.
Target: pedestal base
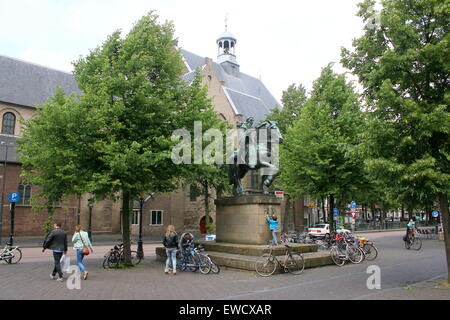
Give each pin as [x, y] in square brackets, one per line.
[242, 219]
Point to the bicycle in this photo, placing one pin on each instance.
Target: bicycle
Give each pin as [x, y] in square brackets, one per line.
[11, 255]
[368, 248]
[215, 268]
[412, 241]
[115, 257]
[191, 259]
[293, 263]
[344, 251]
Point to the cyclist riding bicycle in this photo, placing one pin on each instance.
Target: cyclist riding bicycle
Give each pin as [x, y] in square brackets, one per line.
[410, 229]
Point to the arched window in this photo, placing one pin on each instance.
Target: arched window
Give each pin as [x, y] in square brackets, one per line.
[25, 193]
[9, 123]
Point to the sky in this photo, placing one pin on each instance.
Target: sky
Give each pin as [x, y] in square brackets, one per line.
[282, 42]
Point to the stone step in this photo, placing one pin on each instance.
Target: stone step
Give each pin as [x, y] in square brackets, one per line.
[247, 262]
[237, 261]
[254, 250]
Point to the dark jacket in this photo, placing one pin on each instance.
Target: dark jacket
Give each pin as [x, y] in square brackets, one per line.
[56, 240]
[171, 242]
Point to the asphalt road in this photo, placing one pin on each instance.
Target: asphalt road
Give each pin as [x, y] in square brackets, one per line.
[405, 274]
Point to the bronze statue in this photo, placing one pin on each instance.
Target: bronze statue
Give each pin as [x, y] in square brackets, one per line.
[254, 153]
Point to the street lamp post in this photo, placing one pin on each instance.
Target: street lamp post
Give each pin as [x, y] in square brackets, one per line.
[140, 249]
[90, 204]
[3, 143]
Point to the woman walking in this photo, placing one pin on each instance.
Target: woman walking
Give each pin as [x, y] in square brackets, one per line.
[171, 243]
[81, 244]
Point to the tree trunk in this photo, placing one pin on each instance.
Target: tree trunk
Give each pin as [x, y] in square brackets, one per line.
[403, 213]
[126, 227]
[372, 210]
[443, 202]
[323, 210]
[330, 213]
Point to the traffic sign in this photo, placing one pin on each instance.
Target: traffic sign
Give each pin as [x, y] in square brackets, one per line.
[279, 194]
[353, 204]
[335, 212]
[14, 197]
[435, 214]
[353, 213]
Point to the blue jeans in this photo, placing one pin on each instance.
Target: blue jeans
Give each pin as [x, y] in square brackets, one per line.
[171, 261]
[80, 257]
[274, 237]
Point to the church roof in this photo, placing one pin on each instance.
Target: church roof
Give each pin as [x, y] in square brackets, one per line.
[29, 84]
[247, 95]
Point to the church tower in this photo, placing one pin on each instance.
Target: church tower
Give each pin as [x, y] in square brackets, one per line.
[226, 44]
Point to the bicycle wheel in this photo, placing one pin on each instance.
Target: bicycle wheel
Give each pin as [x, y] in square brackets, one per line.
[215, 268]
[105, 261]
[416, 244]
[17, 256]
[135, 259]
[355, 255]
[337, 256]
[113, 260]
[370, 251]
[408, 244]
[265, 266]
[204, 263]
[295, 263]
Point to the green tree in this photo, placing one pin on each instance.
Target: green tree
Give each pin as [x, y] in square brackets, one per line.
[293, 100]
[318, 153]
[403, 65]
[115, 140]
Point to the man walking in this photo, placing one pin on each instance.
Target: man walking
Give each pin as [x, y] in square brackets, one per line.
[56, 241]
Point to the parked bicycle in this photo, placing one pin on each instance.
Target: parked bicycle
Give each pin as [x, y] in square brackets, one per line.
[115, 257]
[412, 242]
[10, 254]
[368, 248]
[268, 262]
[344, 251]
[190, 258]
[215, 268]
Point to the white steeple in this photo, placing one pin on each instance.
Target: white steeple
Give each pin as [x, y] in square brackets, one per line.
[226, 44]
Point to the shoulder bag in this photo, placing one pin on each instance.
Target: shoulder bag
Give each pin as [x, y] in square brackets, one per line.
[85, 249]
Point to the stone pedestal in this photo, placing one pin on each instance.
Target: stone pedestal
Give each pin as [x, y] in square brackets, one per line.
[242, 219]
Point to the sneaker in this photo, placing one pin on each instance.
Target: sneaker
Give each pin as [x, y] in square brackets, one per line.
[174, 273]
[166, 271]
[52, 277]
[85, 275]
[60, 279]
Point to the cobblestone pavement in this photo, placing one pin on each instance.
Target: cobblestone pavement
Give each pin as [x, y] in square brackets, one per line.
[405, 274]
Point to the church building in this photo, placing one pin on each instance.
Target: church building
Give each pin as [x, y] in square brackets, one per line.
[24, 86]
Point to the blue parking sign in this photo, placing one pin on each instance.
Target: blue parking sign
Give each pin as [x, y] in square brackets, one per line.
[335, 212]
[14, 197]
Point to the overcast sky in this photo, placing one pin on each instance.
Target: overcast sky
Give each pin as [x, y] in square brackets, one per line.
[283, 41]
